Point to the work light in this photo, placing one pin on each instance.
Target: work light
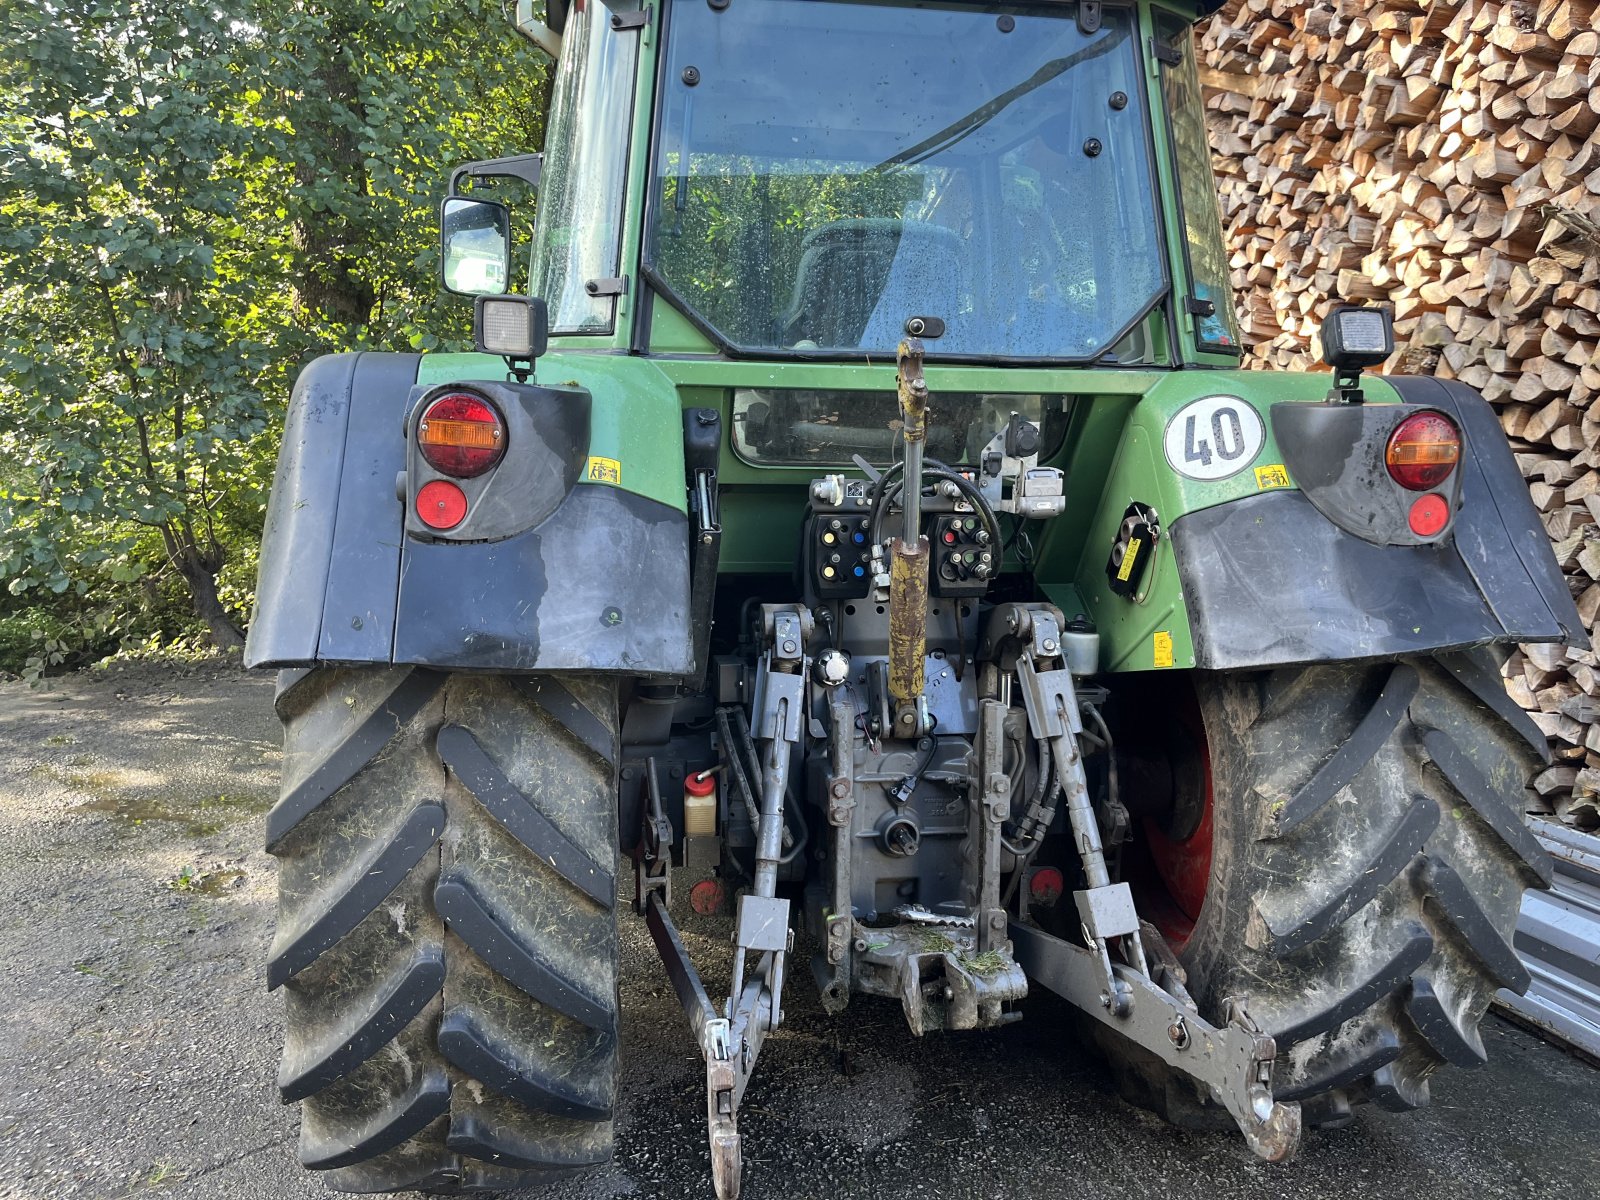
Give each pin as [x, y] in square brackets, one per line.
[514, 327]
[1353, 338]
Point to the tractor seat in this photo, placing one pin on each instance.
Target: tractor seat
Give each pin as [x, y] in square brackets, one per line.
[859, 280]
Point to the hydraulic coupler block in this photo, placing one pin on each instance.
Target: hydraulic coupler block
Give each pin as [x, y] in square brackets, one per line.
[908, 634]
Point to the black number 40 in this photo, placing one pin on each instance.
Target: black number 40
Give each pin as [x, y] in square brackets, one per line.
[1227, 436]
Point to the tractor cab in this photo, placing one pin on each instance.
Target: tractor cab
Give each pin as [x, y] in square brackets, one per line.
[796, 179]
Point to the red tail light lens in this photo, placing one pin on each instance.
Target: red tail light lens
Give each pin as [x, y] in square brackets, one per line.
[441, 505]
[461, 435]
[1429, 515]
[1423, 451]
[1046, 885]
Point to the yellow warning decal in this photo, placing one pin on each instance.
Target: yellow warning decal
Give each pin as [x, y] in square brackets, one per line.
[604, 470]
[1163, 648]
[1271, 476]
[1129, 557]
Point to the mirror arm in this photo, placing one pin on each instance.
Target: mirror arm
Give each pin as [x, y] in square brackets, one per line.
[526, 167]
[545, 33]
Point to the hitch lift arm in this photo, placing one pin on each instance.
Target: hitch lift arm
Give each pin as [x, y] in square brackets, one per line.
[1233, 1064]
[731, 1042]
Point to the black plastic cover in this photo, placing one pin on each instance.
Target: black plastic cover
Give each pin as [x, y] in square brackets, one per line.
[546, 446]
[1509, 557]
[602, 584]
[1335, 455]
[336, 470]
[702, 439]
[1270, 581]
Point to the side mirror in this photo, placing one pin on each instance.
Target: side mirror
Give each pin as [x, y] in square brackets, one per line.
[474, 246]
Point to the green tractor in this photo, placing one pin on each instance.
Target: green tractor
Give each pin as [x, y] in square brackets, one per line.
[864, 529]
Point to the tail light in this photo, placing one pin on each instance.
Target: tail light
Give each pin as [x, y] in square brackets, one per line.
[441, 504]
[1423, 450]
[1429, 515]
[461, 435]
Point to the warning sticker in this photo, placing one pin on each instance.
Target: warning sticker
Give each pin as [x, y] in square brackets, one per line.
[1163, 649]
[1129, 557]
[604, 470]
[1271, 476]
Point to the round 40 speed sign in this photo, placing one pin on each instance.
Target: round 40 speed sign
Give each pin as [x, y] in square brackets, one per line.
[1213, 438]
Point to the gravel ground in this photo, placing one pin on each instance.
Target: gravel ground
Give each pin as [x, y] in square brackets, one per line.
[140, 1047]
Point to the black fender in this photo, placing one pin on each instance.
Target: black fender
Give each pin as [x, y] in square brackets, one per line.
[1271, 581]
[601, 584]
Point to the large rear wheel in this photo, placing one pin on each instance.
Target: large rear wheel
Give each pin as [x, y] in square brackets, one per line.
[1364, 856]
[446, 937]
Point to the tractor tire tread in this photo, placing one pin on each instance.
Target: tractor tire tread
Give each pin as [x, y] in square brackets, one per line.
[1368, 869]
[1361, 882]
[1348, 1066]
[353, 895]
[1355, 1000]
[370, 1023]
[1476, 791]
[489, 935]
[500, 1064]
[1351, 755]
[1487, 688]
[347, 1143]
[522, 819]
[1449, 898]
[447, 942]
[1455, 1044]
[347, 755]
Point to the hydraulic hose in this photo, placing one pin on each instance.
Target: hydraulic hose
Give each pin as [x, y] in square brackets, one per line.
[885, 490]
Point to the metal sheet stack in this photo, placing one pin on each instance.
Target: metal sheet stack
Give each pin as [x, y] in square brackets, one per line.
[1442, 158]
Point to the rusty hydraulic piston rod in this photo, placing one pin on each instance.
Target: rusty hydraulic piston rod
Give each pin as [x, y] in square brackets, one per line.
[913, 391]
[908, 567]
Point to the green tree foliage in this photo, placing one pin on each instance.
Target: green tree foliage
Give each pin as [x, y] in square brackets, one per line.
[130, 352]
[378, 101]
[195, 197]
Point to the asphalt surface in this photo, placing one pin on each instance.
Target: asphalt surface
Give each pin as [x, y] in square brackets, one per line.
[138, 1046]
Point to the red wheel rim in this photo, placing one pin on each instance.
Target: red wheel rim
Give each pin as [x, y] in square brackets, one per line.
[1172, 885]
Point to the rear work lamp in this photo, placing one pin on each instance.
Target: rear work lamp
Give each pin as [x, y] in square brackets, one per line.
[514, 327]
[1353, 338]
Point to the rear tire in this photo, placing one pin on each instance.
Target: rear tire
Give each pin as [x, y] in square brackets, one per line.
[446, 935]
[1368, 861]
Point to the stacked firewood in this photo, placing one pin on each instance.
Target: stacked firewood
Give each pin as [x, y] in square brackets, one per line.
[1444, 159]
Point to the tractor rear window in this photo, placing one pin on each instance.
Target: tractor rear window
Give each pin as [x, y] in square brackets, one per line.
[798, 427]
[824, 171]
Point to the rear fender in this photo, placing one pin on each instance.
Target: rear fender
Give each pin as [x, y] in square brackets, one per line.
[1282, 578]
[597, 580]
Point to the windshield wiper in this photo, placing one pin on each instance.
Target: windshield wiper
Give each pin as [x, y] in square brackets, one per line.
[680, 191]
[981, 116]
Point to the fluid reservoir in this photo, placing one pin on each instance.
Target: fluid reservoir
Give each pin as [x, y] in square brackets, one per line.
[700, 804]
[1080, 646]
